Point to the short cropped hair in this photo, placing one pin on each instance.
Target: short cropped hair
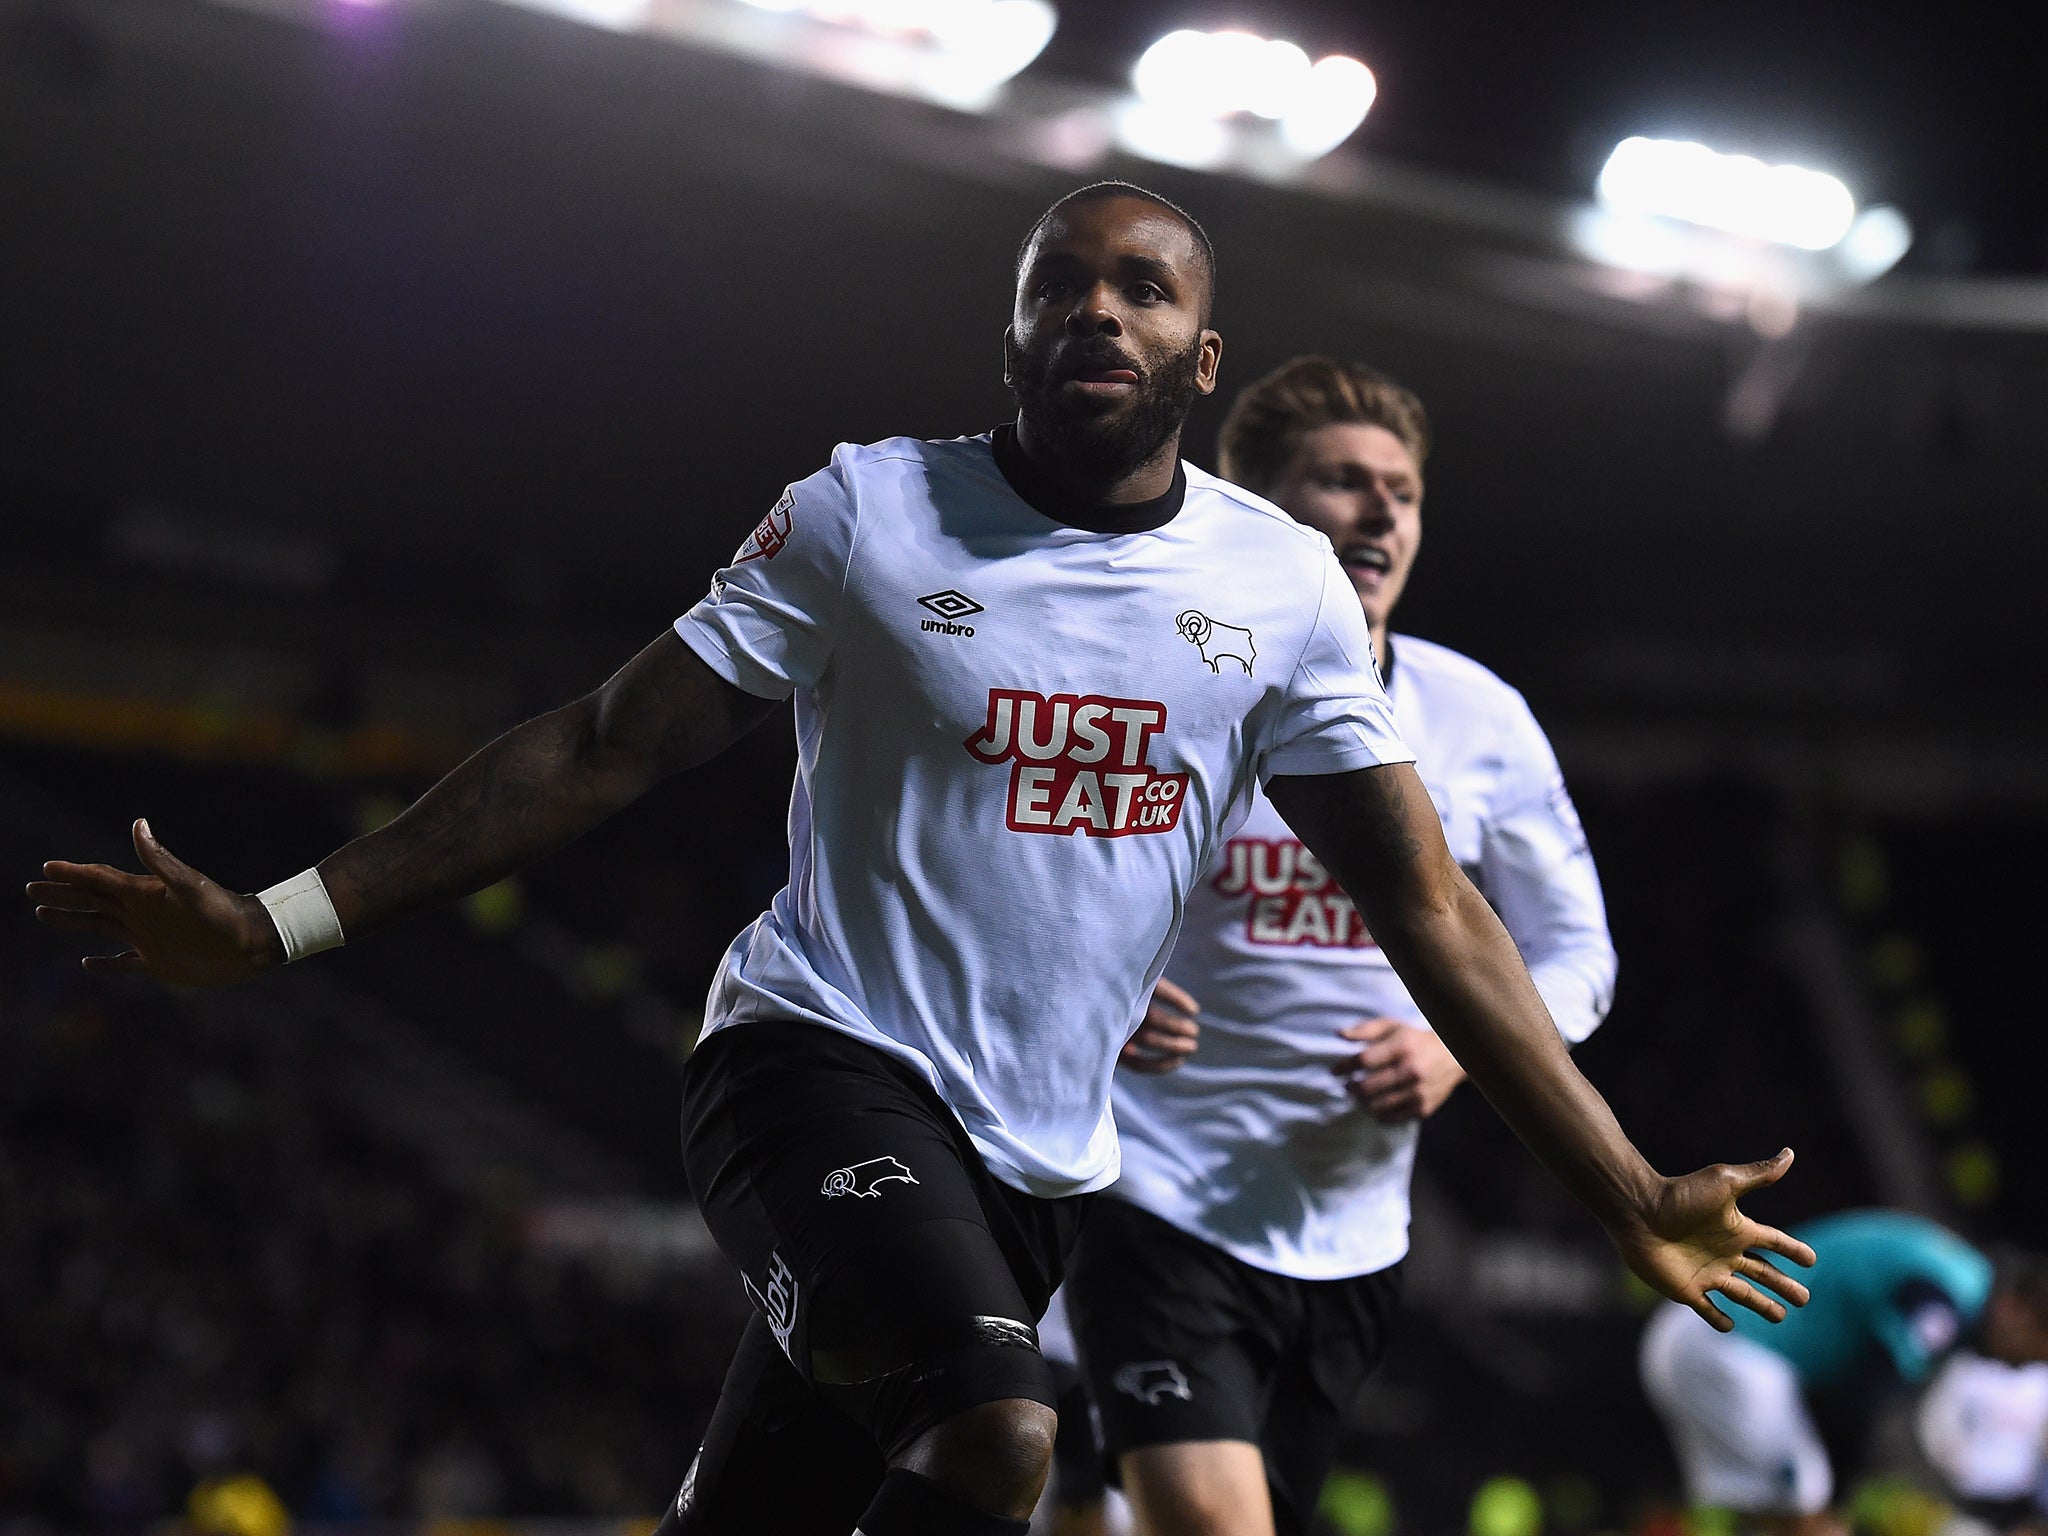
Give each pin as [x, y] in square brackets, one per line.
[1097, 191]
[1268, 420]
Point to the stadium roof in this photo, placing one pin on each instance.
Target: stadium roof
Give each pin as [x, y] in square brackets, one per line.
[480, 292]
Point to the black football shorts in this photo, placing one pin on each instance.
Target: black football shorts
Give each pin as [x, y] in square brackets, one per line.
[1183, 1342]
[895, 1281]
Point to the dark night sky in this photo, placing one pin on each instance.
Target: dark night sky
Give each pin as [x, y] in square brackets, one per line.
[466, 287]
[1938, 109]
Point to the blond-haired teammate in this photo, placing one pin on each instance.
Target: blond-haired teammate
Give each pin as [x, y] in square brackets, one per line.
[1238, 1285]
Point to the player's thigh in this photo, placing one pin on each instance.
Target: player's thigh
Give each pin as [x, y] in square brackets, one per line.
[921, 1327]
[777, 1460]
[1340, 1333]
[1197, 1488]
[875, 1245]
[1175, 1346]
[816, 1165]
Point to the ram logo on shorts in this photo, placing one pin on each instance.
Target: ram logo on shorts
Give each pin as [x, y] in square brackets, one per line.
[863, 1180]
[1217, 641]
[1150, 1380]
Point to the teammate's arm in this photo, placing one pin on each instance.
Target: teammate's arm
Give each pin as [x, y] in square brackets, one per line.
[1538, 876]
[532, 790]
[1538, 872]
[1377, 832]
[1401, 1073]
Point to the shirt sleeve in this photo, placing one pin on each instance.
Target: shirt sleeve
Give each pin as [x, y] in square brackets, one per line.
[1334, 715]
[1537, 871]
[771, 618]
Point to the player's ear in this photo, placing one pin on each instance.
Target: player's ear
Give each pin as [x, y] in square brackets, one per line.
[1009, 354]
[1208, 361]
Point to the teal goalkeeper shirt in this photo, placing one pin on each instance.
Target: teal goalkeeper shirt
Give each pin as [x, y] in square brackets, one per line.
[1886, 1284]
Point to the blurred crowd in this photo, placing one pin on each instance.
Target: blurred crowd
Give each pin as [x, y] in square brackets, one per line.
[206, 1269]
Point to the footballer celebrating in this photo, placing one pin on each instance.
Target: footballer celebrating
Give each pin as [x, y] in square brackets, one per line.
[1036, 673]
[1237, 1287]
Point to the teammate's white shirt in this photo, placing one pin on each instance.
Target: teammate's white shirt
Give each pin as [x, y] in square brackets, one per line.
[1253, 1143]
[1984, 1427]
[1017, 744]
[1736, 1415]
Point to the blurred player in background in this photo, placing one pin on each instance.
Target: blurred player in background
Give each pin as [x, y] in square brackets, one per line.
[1237, 1286]
[1982, 1426]
[1036, 673]
[1899, 1293]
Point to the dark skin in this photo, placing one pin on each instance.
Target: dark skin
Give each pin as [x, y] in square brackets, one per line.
[2011, 1331]
[1111, 273]
[1114, 278]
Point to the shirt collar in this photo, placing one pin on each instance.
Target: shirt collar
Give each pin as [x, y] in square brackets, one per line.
[1042, 496]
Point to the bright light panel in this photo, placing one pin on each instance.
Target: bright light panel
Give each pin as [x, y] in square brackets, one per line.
[1189, 81]
[1875, 242]
[1340, 91]
[1006, 34]
[612, 15]
[1677, 179]
[955, 51]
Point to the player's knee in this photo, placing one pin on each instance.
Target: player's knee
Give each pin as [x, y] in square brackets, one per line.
[1215, 1488]
[996, 1455]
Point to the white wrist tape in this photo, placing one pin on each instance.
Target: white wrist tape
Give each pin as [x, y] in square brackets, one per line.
[304, 915]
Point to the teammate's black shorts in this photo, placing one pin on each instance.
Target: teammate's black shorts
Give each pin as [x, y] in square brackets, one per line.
[895, 1281]
[1182, 1342]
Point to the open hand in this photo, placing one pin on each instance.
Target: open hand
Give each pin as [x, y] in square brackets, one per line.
[1404, 1073]
[173, 923]
[1695, 1240]
[1167, 1036]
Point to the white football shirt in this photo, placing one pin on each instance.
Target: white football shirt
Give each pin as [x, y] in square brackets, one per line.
[1017, 744]
[1253, 1143]
[1984, 1426]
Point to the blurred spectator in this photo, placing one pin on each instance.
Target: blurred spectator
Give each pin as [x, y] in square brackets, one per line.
[215, 1285]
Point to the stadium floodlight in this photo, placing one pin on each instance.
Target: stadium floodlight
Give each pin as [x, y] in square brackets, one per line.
[1190, 85]
[612, 15]
[1186, 139]
[1340, 91]
[958, 51]
[1875, 242]
[1737, 194]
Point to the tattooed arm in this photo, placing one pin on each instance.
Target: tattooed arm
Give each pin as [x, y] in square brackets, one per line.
[543, 784]
[1377, 832]
[533, 789]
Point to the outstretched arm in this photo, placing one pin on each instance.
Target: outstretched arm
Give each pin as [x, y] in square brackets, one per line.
[533, 789]
[1376, 830]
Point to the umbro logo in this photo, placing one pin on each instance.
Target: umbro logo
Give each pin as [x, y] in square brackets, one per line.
[951, 607]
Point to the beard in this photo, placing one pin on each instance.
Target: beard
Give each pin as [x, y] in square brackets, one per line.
[1101, 447]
